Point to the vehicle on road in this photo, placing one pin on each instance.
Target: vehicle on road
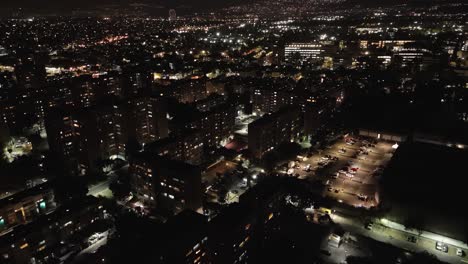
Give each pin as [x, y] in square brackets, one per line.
[368, 225]
[362, 197]
[460, 252]
[441, 246]
[412, 239]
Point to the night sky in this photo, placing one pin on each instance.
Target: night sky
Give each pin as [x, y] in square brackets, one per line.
[69, 3]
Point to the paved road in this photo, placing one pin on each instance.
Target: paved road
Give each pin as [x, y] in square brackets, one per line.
[397, 238]
[102, 188]
[84, 254]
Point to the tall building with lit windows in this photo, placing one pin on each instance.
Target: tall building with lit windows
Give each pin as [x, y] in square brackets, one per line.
[167, 184]
[186, 146]
[136, 82]
[84, 91]
[147, 120]
[269, 100]
[30, 92]
[108, 123]
[268, 132]
[67, 139]
[81, 138]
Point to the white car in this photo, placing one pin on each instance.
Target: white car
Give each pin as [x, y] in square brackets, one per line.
[460, 252]
[441, 247]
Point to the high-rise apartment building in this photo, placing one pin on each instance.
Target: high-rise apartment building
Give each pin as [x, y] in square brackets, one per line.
[166, 184]
[271, 130]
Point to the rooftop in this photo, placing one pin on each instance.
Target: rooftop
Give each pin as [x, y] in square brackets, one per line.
[422, 184]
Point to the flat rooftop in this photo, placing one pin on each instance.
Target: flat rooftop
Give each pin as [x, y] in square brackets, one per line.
[424, 184]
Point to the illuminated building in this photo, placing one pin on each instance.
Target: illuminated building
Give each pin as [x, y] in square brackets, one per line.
[84, 91]
[271, 130]
[136, 82]
[41, 240]
[190, 91]
[68, 140]
[269, 100]
[216, 125]
[210, 102]
[108, 123]
[25, 206]
[30, 78]
[80, 138]
[147, 120]
[184, 240]
[8, 115]
[168, 184]
[187, 147]
[303, 51]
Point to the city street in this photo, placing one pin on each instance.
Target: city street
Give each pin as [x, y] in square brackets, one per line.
[102, 188]
[84, 254]
[397, 238]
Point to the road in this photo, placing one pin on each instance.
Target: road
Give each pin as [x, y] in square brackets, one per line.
[84, 254]
[397, 238]
[102, 188]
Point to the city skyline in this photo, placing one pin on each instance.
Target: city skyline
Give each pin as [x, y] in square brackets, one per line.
[239, 132]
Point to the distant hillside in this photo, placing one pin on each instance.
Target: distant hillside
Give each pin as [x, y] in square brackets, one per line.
[53, 4]
[186, 6]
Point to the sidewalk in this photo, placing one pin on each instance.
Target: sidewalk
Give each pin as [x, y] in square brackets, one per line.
[425, 234]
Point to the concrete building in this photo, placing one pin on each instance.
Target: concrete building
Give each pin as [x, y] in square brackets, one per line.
[166, 184]
[271, 130]
[186, 146]
[25, 206]
[303, 51]
[147, 120]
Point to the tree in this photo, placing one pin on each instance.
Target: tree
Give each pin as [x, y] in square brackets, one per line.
[269, 160]
[68, 188]
[121, 187]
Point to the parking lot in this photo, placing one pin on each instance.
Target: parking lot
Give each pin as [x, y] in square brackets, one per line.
[349, 168]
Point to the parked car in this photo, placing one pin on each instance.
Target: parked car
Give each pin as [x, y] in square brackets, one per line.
[441, 246]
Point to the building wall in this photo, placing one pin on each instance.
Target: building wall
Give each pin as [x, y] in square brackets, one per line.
[271, 130]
